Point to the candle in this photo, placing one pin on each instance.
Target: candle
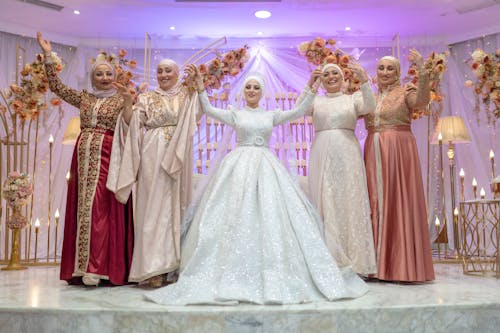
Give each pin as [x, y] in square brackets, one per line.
[68, 175]
[56, 216]
[482, 193]
[436, 222]
[492, 160]
[37, 227]
[440, 137]
[474, 187]
[51, 139]
[455, 211]
[462, 187]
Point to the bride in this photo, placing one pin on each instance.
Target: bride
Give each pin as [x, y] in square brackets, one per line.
[254, 237]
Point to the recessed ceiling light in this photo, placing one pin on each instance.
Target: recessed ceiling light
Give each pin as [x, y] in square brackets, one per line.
[347, 28]
[260, 33]
[172, 28]
[76, 12]
[262, 14]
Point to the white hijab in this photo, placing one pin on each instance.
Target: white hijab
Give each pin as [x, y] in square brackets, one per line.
[177, 87]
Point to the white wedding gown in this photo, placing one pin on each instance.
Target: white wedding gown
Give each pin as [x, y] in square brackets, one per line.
[255, 237]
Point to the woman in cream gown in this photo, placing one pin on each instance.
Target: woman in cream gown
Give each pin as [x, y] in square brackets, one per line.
[337, 178]
[255, 237]
[161, 162]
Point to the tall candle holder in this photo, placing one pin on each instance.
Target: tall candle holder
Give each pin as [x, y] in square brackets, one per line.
[482, 193]
[49, 201]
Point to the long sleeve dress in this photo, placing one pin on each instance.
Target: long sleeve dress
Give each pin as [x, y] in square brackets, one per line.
[395, 186]
[169, 120]
[255, 237]
[337, 178]
[98, 230]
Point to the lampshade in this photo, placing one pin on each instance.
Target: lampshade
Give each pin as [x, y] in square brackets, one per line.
[72, 131]
[452, 129]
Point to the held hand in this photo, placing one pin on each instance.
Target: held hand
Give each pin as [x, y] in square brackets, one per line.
[314, 79]
[416, 58]
[359, 72]
[193, 73]
[44, 44]
[124, 92]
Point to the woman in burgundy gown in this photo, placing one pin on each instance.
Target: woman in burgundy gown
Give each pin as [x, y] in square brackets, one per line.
[98, 230]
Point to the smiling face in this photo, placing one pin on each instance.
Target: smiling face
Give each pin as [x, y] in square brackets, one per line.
[332, 79]
[387, 72]
[167, 76]
[253, 93]
[102, 77]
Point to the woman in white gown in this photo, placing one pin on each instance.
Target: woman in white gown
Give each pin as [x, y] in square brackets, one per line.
[255, 237]
[337, 177]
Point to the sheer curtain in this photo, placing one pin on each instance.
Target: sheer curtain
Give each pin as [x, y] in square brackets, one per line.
[285, 71]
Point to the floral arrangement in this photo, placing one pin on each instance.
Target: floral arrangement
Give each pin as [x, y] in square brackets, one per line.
[486, 69]
[435, 65]
[230, 63]
[27, 99]
[320, 52]
[123, 75]
[17, 189]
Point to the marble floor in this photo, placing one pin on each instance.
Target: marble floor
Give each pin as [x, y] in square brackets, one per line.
[34, 300]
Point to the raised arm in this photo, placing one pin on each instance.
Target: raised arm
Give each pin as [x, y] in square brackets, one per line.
[300, 109]
[225, 116]
[311, 85]
[421, 97]
[364, 100]
[127, 101]
[68, 94]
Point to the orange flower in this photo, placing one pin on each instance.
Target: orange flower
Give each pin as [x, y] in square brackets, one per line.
[347, 73]
[132, 64]
[17, 105]
[475, 66]
[55, 101]
[26, 70]
[234, 71]
[59, 68]
[468, 83]
[344, 59]
[331, 59]
[203, 69]
[319, 42]
[412, 71]
[122, 53]
[16, 89]
[331, 42]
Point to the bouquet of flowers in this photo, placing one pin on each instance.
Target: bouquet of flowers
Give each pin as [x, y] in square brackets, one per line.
[435, 65]
[17, 189]
[320, 52]
[486, 69]
[27, 99]
[230, 63]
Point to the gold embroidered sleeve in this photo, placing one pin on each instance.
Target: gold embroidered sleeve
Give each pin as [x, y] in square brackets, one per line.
[68, 94]
[418, 97]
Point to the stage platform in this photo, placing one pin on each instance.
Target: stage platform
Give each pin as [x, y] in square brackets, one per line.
[35, 300]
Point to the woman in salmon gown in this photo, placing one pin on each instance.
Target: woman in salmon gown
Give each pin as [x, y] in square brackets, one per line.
[395, 186]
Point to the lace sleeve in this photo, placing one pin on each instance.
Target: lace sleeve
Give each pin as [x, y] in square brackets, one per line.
[300, 109]
[226, 116]
[364, 100]
[68, 94]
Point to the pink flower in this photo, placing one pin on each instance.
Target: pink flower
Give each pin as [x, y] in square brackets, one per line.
[14, 174]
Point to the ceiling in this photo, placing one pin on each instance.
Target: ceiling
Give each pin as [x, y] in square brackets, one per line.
[371, 21]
